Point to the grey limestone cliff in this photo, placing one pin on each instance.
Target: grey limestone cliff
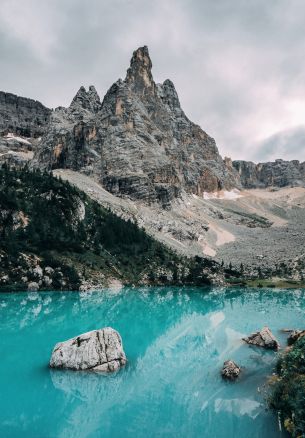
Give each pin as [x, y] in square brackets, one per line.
[278, 173]
[138, 143]
[22, 116]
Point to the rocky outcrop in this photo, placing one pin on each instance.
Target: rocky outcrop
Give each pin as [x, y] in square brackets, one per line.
[98, 350]
[22, 116]
[87, 100]
[279, 173]
[138, 143]
[72, 139]
[294, 336]
[264, 338]
[29, 272]
[22, 122]
[230, 370]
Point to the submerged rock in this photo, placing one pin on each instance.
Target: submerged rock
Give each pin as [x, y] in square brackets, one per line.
[98, 350]
[230, 370]
[264, 338]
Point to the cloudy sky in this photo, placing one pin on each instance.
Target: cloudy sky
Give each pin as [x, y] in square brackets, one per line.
[238, 65]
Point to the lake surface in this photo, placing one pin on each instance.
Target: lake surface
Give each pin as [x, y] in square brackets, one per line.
[176, 341]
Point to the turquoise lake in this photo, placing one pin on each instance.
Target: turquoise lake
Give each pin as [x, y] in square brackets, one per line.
[176, 341]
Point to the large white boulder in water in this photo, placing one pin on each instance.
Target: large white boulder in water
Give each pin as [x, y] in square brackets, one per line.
[98, 350]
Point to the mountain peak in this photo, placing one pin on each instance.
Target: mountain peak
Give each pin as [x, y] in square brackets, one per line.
[88, 100]
[170, 96]
[80, 95]
[94, 98]
[139, 75]
[140, 144]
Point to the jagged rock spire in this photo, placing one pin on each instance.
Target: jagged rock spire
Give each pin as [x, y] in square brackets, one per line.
[170, 96]
[80, 97]
[140, 144]
[139, 75]
[94, 98]
[88, 100]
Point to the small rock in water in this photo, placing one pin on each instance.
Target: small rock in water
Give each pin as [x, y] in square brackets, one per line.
[230, 370]
[264, 338]
[294, 336]
[98, 350]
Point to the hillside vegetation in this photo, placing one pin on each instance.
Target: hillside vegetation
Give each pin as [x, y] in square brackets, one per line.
[55, 236]
[288, 394]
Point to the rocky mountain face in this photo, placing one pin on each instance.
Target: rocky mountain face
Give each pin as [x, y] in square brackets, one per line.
[279, 173]
[72, 138]
[138, 142]
[22, 123]
[22, 116]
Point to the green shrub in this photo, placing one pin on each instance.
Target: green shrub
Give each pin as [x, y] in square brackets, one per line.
[288, 392]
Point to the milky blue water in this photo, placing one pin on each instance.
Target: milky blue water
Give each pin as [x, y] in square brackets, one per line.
[176, 341]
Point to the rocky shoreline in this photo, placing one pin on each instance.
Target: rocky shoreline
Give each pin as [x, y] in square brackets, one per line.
[287, 385]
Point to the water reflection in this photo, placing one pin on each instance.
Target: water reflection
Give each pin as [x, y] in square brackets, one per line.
[176, 340]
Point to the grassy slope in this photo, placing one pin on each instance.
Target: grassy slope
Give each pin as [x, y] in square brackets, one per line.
[48, 219]
[276, 283]
[273, 282]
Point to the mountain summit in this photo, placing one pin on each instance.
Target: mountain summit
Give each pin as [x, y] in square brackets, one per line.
[88, 100]
[139, 76]
[138, 143]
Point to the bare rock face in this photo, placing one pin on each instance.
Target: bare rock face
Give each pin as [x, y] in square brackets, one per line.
[98, 350]
[279, 173]
[88, 100]
[138, 143]
[22, 116]
[230, 370]
[72, 139]
[22, 122]
[264, 338]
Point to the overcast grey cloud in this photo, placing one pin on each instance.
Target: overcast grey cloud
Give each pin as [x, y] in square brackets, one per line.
[238, 65]
[288, 144]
